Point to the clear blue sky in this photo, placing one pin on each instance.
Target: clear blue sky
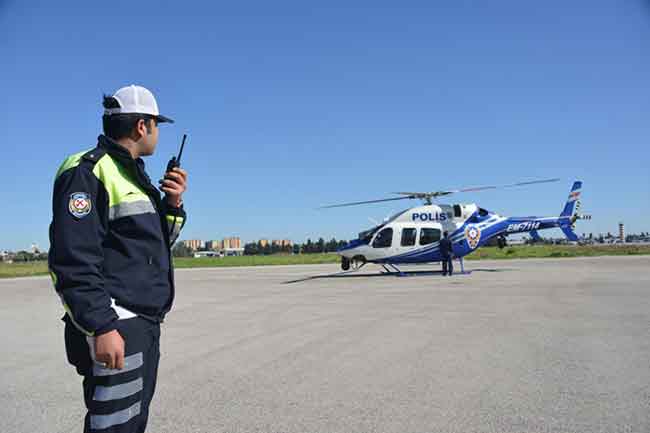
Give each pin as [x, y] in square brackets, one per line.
[289, 105]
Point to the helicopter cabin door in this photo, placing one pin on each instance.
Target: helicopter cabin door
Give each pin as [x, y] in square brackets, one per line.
[407, 239]
[429, 235]
[383, 244]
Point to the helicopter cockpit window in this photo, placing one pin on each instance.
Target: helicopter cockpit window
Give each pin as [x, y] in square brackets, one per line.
[384, 239]
[366, 235]
[429, 236]
[482, 212]
[458, 212]
[408, 237]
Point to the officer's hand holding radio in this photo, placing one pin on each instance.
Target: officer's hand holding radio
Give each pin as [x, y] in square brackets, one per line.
[175, 182]
[174, 185]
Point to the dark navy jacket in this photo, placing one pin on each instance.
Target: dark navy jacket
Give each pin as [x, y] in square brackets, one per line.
[445, 248]
[110, 239]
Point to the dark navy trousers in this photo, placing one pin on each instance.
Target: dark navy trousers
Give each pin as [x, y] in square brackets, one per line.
[447, 265]
[117, 401]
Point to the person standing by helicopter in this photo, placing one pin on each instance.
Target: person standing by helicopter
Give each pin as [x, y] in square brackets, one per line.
[446, 254]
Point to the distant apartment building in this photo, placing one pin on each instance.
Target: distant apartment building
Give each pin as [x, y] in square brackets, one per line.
[281, 243]
[263, 242]
[193, 244]
[232, 242]
[214, 245]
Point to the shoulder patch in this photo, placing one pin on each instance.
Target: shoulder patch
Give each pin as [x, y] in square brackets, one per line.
[80, 204]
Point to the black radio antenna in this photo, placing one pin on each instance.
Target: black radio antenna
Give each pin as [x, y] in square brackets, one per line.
[180, 153]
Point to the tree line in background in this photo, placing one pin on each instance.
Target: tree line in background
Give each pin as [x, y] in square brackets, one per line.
[590, 238]
[258, 248]
[309, 247]
[180, 250]
[25, 256]
[643, 236]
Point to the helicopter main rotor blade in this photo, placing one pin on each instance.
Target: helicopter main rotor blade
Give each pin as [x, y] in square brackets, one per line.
[427, 196]
[356, 203]
[509, 185]
[434, 194]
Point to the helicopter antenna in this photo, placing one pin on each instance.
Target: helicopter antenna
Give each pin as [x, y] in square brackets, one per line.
[428, 197]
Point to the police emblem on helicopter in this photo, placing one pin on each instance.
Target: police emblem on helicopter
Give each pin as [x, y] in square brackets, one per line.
[473, 235]
[80, 204]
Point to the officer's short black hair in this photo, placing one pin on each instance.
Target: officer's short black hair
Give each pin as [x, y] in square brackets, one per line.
[446, 234]
[118, 126]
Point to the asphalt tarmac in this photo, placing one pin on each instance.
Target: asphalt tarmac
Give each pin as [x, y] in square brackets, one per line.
[515, 346]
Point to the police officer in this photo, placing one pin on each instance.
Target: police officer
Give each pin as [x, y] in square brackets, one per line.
[446, 254]
[110, 261]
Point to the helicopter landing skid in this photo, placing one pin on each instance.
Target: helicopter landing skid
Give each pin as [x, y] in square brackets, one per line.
[395, 271]
[391, 269]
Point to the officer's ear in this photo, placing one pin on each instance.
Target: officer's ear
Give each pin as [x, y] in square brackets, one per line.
[143, 127]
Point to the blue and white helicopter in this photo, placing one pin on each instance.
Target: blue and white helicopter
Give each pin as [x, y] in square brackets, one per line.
[413, 235]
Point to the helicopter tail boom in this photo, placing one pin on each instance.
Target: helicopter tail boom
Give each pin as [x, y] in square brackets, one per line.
[565, 221]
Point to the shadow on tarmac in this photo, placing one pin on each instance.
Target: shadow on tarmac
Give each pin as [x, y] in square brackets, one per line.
[354, 274]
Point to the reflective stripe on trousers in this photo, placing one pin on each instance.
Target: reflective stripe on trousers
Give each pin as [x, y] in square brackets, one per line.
[118, 400]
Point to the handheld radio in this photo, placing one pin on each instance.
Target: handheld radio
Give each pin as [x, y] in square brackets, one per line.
[176, 162]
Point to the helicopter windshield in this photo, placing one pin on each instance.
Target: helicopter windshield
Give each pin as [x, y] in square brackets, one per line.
[366, 235]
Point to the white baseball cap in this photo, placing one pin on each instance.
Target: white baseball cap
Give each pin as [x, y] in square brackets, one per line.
[136, 100]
